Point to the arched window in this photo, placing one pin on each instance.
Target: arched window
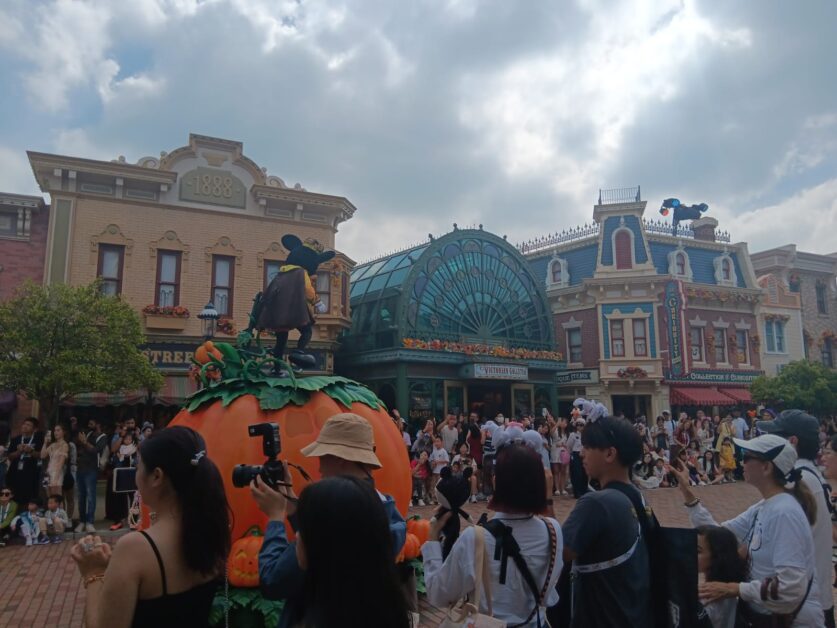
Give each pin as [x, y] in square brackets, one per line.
[556, 271]
[724, 270]
[681, 264]
[622, 246]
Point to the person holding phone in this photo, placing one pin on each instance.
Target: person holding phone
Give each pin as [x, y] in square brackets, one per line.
[25, 461]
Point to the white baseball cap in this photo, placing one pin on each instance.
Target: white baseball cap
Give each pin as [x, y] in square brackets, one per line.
[772, 448]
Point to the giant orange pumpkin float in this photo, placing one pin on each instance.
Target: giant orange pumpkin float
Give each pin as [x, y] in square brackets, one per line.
[244, 395]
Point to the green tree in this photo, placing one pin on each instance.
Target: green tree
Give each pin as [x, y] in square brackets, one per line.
[59, 341]
[805, 385]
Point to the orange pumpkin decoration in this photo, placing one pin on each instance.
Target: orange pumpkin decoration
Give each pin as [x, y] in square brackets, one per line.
[222, 411]
[243, 562]
[420, 528]
[411, 549]
[206, 352]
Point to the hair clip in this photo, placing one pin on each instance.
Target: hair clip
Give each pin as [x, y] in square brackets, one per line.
[197, 457]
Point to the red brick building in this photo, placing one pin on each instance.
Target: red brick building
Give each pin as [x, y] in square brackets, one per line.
[24, 223]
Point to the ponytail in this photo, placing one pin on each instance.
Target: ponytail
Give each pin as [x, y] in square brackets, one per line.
[801, 492]
[180, 453]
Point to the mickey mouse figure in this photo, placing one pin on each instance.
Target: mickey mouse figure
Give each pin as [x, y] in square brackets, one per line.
[452, 490]
[290, 300]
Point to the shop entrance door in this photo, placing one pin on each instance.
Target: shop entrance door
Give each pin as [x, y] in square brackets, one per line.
[632, 405]
[488, 399]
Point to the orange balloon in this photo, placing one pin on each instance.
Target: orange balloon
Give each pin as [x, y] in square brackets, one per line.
[228, 444]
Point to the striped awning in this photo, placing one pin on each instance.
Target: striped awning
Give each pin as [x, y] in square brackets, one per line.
[700, 396]
[101, 400]
[175, 390]
[739, 394]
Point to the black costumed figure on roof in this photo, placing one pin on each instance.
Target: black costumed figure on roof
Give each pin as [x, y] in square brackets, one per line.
[290, 300]
[681, 212]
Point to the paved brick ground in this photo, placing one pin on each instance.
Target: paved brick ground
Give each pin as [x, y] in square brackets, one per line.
[39, 586]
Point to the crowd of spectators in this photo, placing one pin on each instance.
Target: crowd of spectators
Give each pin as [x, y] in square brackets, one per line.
[49, 477]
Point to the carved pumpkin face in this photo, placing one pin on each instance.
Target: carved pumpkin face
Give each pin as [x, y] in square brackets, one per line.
[243, 562]
[228, 444]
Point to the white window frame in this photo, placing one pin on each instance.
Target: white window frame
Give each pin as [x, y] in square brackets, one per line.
[719, 270]
[565, 273]
[687, 264]
[632, 248]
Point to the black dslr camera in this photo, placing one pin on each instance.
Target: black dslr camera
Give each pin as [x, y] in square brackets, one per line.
[272, 472]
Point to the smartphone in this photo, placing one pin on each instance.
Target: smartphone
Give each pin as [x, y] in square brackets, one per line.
[544, 412]
[125, 480]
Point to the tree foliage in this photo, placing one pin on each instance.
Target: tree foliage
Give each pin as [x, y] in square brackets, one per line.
[805, 385]
[58, 341]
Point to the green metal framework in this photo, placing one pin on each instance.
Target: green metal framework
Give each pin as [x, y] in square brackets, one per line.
[468, 286]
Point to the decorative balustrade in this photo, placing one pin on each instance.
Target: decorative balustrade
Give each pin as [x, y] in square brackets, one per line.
[665, 228]
[568, 235]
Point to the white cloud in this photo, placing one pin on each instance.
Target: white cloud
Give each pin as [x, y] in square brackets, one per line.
[808, 219]
[15, 173]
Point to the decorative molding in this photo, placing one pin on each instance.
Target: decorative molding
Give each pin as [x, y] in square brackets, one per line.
[741, 324]
[697, 322]
[223, 247]
[275, 252]
[112, 234]
[572, 323]
[720, 324]
[170, 242]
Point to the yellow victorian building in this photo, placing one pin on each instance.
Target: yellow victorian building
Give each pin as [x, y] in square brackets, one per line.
[169, 234]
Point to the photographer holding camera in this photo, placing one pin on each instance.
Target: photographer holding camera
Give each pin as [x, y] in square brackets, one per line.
[345, 447]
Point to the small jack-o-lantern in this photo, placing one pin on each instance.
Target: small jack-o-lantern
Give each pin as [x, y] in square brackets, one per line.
[243, 563]
[411, 549]
[420, 528]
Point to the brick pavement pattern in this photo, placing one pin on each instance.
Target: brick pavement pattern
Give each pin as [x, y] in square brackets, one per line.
[41, 587]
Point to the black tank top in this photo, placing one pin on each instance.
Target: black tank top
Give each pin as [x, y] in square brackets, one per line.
[186, 609]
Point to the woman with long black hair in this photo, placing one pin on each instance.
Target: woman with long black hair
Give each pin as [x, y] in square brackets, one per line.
[350, 576]
[166, 576]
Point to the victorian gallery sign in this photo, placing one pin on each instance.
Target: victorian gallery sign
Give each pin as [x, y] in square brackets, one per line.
[495, 371]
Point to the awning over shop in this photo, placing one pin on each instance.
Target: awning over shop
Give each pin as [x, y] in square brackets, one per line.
[741, 395]
[700, 396]
[175, 390]
[101, 400]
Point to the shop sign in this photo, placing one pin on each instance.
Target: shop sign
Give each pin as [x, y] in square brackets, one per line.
[173, 356]
[586, 376]
[169, 356]
[716, 377]
[674, 321]
[495, 371]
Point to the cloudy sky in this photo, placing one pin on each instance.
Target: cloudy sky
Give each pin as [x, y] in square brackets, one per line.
[429, 112]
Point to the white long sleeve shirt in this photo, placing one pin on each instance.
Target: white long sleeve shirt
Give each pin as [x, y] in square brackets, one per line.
[513, 601]
[821, 531]
[779, 543]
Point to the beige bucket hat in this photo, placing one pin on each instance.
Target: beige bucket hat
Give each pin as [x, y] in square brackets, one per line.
[347, 436]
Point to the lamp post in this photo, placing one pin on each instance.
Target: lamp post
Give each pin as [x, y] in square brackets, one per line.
[208, 317]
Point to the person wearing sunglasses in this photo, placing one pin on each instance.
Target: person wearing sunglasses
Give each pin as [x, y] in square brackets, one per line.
[776, 533]
[8, 511]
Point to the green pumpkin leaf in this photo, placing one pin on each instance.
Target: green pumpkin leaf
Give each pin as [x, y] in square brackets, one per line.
[339, 394]
[231, 394]
[278, 398]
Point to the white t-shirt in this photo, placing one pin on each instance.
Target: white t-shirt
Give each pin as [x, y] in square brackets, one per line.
[438, 459]
[574, 442]
[779, 543]
[821, 531]
[449, 436]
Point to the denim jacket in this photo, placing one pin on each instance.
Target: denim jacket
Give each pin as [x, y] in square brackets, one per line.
[281, 577]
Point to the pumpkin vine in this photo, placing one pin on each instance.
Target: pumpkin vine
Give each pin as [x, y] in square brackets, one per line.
[227, 372]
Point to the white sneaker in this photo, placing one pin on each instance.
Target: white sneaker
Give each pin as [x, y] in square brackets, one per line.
[556, 492]
[80, 527]
[421, 502]
[28, 541]
[89, 527]
[473, 499]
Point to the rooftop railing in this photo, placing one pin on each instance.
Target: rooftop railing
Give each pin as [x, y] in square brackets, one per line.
[568, 235]
[619, 195]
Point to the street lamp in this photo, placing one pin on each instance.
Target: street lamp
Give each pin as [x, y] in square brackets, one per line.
[208, 316]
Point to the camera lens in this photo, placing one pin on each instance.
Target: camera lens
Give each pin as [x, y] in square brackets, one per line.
[243, 474]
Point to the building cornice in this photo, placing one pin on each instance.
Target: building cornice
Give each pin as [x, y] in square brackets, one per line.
[47, 163]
